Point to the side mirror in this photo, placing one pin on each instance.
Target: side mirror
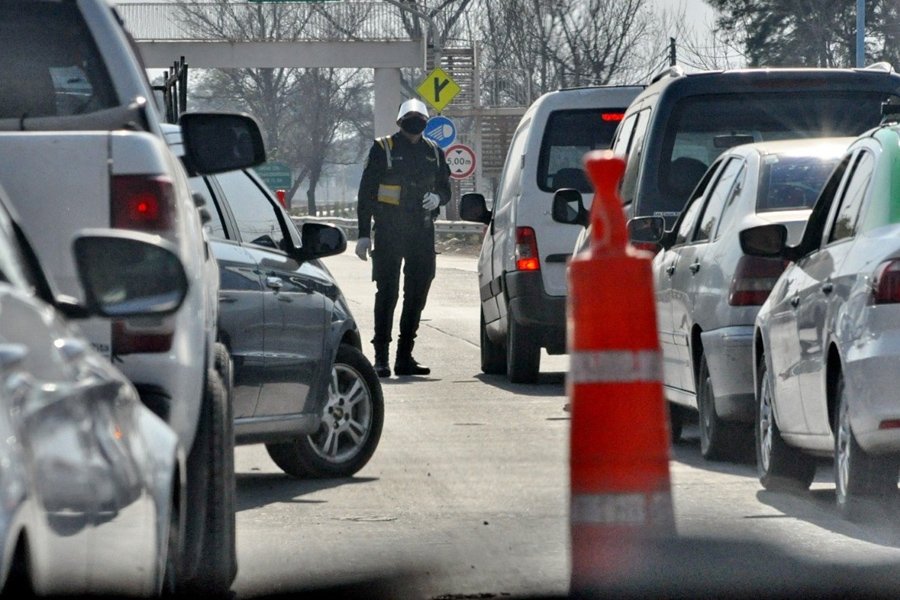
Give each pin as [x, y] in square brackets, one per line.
[764, 240]
[129, 273]
[219, 142]
[321, 240]
[647, 230]
[568, 208]
[472, 207]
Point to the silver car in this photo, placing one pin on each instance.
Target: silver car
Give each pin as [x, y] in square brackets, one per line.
[708, 291]
[827, 340]
[88, 475]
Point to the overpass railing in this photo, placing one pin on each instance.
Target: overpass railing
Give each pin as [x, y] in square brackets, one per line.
[240, 21]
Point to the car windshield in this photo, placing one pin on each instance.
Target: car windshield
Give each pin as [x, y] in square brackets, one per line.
[790, 182]
[568, 135]
[702, 127]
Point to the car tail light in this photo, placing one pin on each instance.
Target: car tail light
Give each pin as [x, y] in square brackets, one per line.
[130, 339]
[527, 258]
[753, 279]
[143, 203]
[886, 286]
[612, 116]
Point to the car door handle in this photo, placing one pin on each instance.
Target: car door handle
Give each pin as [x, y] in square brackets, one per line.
[795, 300]
[694, 267]
[827, 287]
[274, 283]
[670, 270]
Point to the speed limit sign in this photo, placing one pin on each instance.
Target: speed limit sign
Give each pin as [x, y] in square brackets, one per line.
[461, 159]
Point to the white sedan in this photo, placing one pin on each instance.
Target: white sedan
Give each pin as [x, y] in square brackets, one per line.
[827, 340]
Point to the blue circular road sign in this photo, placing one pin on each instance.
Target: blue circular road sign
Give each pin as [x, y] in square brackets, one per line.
[441, 130]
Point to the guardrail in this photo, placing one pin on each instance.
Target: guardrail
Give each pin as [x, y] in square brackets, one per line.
[442, 229]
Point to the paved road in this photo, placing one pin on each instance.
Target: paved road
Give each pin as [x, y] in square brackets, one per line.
[467, 496]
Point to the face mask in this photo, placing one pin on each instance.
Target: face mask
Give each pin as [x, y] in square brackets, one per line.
[413, 125]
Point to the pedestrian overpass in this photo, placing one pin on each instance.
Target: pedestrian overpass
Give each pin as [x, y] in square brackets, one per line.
[310, 34]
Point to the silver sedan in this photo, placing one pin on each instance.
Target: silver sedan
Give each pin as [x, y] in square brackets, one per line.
[827, 341]
[708, 291]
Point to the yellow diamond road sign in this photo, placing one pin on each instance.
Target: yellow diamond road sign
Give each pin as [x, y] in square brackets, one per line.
[438, 89]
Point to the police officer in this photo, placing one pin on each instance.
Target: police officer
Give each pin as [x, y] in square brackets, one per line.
[405, 182]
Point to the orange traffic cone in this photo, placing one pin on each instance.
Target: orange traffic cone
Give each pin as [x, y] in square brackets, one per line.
[620, 487]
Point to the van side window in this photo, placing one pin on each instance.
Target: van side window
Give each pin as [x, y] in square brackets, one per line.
[634, 152]
[623, 136]
[510, 181]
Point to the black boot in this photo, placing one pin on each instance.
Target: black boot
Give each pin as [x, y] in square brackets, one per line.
[382, 368]
[405, 363]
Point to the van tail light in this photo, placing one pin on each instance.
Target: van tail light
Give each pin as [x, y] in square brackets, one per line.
[753, 280]
[143, 203]
[886, 286]
[527, 258]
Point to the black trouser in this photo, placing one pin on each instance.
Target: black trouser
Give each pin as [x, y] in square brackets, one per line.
[413, 247]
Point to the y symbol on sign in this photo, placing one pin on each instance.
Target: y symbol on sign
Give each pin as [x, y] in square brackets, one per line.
[438, 86]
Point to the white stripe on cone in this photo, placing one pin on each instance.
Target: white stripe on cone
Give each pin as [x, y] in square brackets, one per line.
[615, 366]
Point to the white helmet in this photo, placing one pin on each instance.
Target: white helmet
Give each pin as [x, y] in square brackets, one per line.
[413, 105]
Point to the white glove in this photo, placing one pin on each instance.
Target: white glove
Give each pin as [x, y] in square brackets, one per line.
[362, 247]
[430, 201]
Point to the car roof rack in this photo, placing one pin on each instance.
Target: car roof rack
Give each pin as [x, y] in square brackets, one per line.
[673, 71]
[883, 66]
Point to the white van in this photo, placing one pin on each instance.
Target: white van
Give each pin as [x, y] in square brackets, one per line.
[522, 265]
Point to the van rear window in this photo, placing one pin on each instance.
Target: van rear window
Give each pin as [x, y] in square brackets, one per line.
[702, 127]
[568, 136]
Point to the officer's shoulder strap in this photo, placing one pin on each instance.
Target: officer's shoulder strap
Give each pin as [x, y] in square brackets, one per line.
[387, 144]
[434, 148]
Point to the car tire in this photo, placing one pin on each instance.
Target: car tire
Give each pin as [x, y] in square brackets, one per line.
[719, 440]
[169, 583]
[861, 479]
[676, 422]
[493, 356]
[225, 367]
[523, 353]
[355, 405]
[211, 556]
[780, 467]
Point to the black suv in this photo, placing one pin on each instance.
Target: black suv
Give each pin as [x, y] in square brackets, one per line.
[680, 123]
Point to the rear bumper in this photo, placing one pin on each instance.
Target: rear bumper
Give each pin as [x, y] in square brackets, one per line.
[544, 314]
[729, 352]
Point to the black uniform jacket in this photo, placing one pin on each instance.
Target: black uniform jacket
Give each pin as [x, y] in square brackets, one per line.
[394, 195]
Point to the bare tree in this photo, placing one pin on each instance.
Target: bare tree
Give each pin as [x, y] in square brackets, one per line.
[547, 44]
[307, 115]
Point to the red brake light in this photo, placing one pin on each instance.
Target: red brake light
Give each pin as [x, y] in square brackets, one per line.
[886, 285]
[142, 202]
[616, 116]
[527, 258]
[753, 280]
